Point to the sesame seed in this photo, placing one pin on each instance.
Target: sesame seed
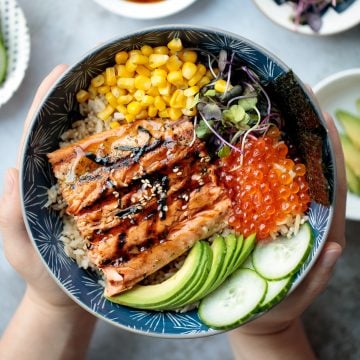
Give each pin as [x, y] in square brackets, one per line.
[179, 173]
[165, 208]
[184, 207]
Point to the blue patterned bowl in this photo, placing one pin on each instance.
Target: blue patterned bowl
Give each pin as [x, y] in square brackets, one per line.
[55, 115]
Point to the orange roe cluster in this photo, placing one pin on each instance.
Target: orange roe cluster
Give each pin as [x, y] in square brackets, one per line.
[268, 189]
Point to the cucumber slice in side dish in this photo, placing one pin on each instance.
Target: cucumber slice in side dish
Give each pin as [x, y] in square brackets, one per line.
[276, 290]
[279, 258]
[234, 301]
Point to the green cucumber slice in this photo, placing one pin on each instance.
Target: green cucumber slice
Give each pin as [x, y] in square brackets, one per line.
[279, 258]
[276, 290]
[234, 301]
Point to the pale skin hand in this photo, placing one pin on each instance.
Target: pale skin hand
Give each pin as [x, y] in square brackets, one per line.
[47, 324]
[279, 334]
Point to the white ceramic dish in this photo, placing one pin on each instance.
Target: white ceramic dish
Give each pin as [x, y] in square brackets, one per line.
[17, 43]
[340, 91]
[139, 10]
[333, 22]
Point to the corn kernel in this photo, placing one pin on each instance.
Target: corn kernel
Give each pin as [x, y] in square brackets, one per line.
[139, 59]
[134, 52]
[201, 69]
[220, 85]
[190, 102]
[126, 83]
[130, 66]
[174, 63]
[153, 91]
[166, 90]
[92, 91]
[174, 114]
[178, 99]
[157, 60]
[161, 50]
[114, 125]
[142, 82]
[111, 99]
[147, 100]
[176, 78]
[146, 50]
[188, 55]
[122, 109]
[117, 91]
[82, 96]
[143, 114]
[122, 72]
[152, 111]
[159, 103]
[130, 117]
[142, 70]
[110, 77]
[203, 81]
[124, 99]
[158, 80]
[164, 113]
[121, 57]
[134, 108]
[188, 70]
[191, 91]
[139, 95]
[98, 81]
[106, 113]
[195, 79]
[103, 89]
[167, 99]
[175, 44]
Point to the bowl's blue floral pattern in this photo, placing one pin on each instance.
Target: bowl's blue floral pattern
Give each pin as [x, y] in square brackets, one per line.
[55, 115]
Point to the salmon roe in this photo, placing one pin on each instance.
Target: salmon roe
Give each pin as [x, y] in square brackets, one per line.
[267, 188]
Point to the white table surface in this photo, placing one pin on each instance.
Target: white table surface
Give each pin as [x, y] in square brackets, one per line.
[62, 30]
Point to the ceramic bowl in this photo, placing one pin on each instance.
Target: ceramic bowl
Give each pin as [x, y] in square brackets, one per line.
[56, 113]
[142, 10]
[341, 91]
[333, 21]
[17, 43]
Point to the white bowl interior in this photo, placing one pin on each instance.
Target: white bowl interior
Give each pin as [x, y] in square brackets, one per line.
[340, 91]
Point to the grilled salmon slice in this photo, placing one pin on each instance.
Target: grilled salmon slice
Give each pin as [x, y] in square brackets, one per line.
[141, 195]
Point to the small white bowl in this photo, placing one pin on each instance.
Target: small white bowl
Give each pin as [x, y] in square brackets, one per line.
[333, 22]
[340, 91]
[17, 43]
[138, 10]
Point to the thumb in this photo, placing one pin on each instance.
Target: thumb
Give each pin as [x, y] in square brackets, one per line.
[11, 221]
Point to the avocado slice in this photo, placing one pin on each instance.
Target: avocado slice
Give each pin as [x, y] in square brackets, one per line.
[351, 125]
[352, 181]
[230, 242]
[193, 288]
[248, 246]
[239, 246]
[155, 296]
[218, 248]
[352, 154]
[3, 62]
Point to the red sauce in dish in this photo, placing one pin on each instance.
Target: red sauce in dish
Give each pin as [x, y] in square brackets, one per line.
[266, 188]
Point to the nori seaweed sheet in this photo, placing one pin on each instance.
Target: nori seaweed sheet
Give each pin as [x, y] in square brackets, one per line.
[306, 132]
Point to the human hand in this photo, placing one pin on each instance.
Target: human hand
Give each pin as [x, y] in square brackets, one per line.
[288, 311]
[41, 288]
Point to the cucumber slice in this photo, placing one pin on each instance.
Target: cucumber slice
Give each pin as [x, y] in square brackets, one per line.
[279, 258]
[276, 290]
[234, 301]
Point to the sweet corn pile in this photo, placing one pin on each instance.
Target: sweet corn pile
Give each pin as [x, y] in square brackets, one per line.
[150, 82]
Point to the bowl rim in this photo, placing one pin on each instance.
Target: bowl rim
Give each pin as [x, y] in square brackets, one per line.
[169, 27]
[144, 11]
[305, 30]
